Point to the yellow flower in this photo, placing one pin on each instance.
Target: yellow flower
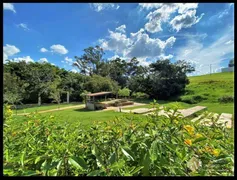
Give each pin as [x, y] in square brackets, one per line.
[189, 128]
[216, 152]
[175, 121]
[208, 149]
[188, 142]
[198, 135]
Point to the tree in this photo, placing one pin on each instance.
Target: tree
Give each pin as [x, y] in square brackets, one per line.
[125, 92]
[98, 83]
[41, 77]
[14, 89]
[166, 79]
[55, 91]
[91, 61]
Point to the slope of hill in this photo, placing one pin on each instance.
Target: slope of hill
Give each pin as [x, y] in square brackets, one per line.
[207, 89]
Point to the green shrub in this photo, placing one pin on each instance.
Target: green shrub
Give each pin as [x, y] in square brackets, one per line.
[128, 146]
[193, 99]
[226, 99]
[140, 95]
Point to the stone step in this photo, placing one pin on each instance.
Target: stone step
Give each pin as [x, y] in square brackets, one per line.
[142, 110]
[225, 118]
[206, 120]
[191, 111]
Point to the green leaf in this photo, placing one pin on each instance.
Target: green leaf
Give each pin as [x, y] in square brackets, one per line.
[37, 159]
[112, 158]
[136, 170]
[29, 173]
[154, 151]
[82, 162]
[59, 164]
[146, 165]
[171, 147]
[94, 173]
[74, 163]
[199, 139]
[22, 158]
[125, 152]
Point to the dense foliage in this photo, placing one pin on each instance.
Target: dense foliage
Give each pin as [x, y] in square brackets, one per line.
[44, 83]
[128, 146]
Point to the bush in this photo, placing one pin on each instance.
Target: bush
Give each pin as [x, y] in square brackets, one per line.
[128, 146]
[140, 95]
[192, 99]
[226, 99]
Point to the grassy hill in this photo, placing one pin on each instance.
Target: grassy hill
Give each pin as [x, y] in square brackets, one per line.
[207, 89]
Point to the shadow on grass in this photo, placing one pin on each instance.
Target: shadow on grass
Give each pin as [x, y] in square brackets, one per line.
[83, 110]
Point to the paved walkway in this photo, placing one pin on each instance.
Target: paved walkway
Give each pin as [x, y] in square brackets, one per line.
[224, 119]
[52, 110]
[117, 108]
[191, 111]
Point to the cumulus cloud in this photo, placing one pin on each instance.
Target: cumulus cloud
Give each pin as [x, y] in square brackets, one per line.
[43, 50]
[185, 20]
[162, 13]
[202, 56]
[43, 60]
[103, 6]
[57, 48]
[23, 26]
[67, 60]
[27, 59]
[138, 45]
[163, 57]
[121, 28]
[9, 6]
[9, 50]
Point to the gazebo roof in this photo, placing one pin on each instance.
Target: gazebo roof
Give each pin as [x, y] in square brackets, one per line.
[99, 94]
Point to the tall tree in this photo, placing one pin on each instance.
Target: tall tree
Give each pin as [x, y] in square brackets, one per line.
[91, 61]
[41, 77]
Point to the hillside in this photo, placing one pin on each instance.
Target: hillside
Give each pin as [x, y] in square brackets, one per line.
[207, 89]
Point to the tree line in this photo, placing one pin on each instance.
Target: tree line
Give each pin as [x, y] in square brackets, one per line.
[42, 82]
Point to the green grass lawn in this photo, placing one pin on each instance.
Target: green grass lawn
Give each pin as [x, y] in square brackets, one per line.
[162, 103]
[74, 116]
[44, 107]
[211, 86]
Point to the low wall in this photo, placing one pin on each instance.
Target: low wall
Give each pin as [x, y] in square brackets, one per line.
[90, 106]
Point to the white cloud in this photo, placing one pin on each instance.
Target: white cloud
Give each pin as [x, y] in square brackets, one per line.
[162, 13]
[138, 45]
[229, 42]
[23, 26]
[121, 28]
[117, 42]
[202, 57]
[159, 16]
[163, 57]
[9, 50]
[9, 6]
[68, 60]
[185, 20]
[57, 48]
[103, 6]
[43, 60]
[149, 6]
[43, 50]
[184, 7]
[74, 70]
[27, 59]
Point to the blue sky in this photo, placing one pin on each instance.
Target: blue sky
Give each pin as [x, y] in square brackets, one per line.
[201, 33]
